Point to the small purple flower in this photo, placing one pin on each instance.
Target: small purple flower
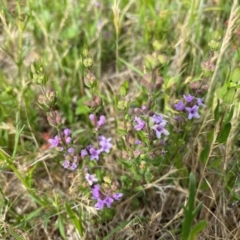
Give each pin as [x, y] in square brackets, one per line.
[188, 98]
[158, 118]
[92, 117]
[100, 204]
[136, 153]
[84, 153]
[91, 178]
[105, 144]
[144, 107]
[140, 123]
[68, 140]
[159, 129]
[94, 154]
[73, 166]
[193, 112]
[53, 141]
[199, 102]
[66, 164]
[138, 142]
[71, 150]
[117, 196]
[96, 191]
[108, 201]
[67, 132]
[89, 147]
[179, 106]
[101, 121]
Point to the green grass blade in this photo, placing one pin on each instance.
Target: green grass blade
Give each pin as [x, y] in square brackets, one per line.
[77, 222]
[117, 229]
[131, 66]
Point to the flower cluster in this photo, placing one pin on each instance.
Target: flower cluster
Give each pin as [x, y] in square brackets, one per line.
[95, 122]
[71, 160]
[190, 106]
[61, 141]
[105, 146]
[104, 143]
[140, 124]
[159, 125]
[105, 195]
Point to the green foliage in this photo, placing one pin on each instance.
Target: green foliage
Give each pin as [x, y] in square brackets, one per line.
[190, 212]
[63, 60]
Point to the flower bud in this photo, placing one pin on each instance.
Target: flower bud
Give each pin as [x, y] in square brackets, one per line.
[51, 96]
[54, 118]
[90, 80]
[151, 113]
[88, 62]
[214, 45]
[41, 99]
[98, 100]
[122, 105]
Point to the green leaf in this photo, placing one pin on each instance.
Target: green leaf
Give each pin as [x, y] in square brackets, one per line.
[148, 176]
[210, 136]
[222, 91]
[32, 215]
[61, 227]
[205, 153]
[235, 75]
[189, 210]
[75, 219]
[197, 229]
[223, 135]
[81, 108]
[138, 189]
[229, 118]
[229, 96]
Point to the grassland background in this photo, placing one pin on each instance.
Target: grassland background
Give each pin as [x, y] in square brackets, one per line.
[125, 39]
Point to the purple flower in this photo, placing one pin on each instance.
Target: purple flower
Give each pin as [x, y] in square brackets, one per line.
[117, 196]
[67, 132]
[73, 166]
[92, 117]
[68, 140]
[53, 141]
[89, 147]
[158, 118]
[199, 102]
[66, 164]
[159, 129]
[108, 201]
[140, 123]
[71, 150]
[91, 178]
[96, 191]
[188, 98]
[105, 144]
[100, 204]
[94, 154]
[138, 142]
[179, 106]
[193, 112]
[101, 121]
[84, 153]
